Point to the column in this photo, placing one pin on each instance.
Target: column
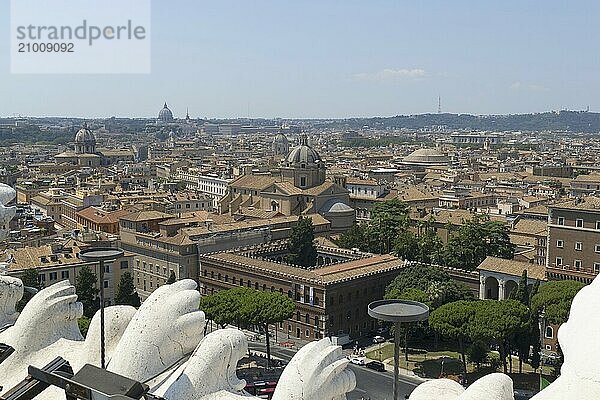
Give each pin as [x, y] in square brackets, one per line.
[501, 289]
[481, 287]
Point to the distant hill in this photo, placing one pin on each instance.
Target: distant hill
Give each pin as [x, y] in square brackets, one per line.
[571, 121]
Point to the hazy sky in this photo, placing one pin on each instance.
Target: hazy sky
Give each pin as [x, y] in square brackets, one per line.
[341, 58]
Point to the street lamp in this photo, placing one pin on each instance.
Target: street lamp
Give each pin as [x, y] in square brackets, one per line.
[542, 323]
[398, 311]
[101, 255]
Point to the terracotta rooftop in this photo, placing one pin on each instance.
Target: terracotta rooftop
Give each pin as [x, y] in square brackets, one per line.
[100, 216]
[585, 203]
[513, 268]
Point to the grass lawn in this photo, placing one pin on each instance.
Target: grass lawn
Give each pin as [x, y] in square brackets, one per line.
[429, 364]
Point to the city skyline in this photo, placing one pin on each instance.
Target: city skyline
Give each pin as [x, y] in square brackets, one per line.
[322, 60]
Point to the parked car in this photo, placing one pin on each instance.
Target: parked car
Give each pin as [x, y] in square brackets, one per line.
[358, 360]
[376, 365]
[378, 339]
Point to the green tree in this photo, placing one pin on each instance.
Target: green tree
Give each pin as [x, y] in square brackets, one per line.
[126, 293]
[246, 307]
[265, 308]
[172, 278]
[523, 341]
[355, 237]
[223, 307]
[555, 298]
[87, 291]
[454, 320]
[30, 278]
[433, 281]
[477, 353]
[301, 246]
[430, 247]
[475, 240]
[497, 322]
[388, 219]
[416, 276]
[406, 246]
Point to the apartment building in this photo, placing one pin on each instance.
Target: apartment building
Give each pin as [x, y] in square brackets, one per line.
[574, 239]
[61, 261]
[330, 299]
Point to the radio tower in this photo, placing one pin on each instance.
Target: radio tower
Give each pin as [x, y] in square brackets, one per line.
[439, 105]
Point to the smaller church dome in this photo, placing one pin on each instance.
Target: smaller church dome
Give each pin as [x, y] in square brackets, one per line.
[280, 139]
[335, 206]
[84, 135]
[165, 115]
[303, 154]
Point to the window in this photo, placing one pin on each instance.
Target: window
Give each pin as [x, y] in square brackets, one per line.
[597, 268]
[577, 264]
[124, 264]
[548, 347]
[53, 276]
[106, 284]
[307, 334]
[302, 181]
[307, 318]
[561, 220]
[297, 315]
[64, 275]
[41, 277]
[559, 261]
[579, 223]
[107, 269]
[598, 225]
[578, 246]
[597, 248]
[549, 332]
[560, 244]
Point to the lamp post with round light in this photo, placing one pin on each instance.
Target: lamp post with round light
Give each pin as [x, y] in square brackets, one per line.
[101, 255]
[398, 311]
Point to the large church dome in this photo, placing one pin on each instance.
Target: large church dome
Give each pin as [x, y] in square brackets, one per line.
[426, 157]
[165, 115]
[303, 154]
[85, 141]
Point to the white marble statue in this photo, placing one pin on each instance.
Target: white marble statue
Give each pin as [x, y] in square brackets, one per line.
[48, 328]
[7, 194]
[167, 326]
[490, 387]
[11, 291]
[317, 371]
[153, 344]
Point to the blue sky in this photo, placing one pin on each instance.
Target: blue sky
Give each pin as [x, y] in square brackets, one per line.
[325, 58]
